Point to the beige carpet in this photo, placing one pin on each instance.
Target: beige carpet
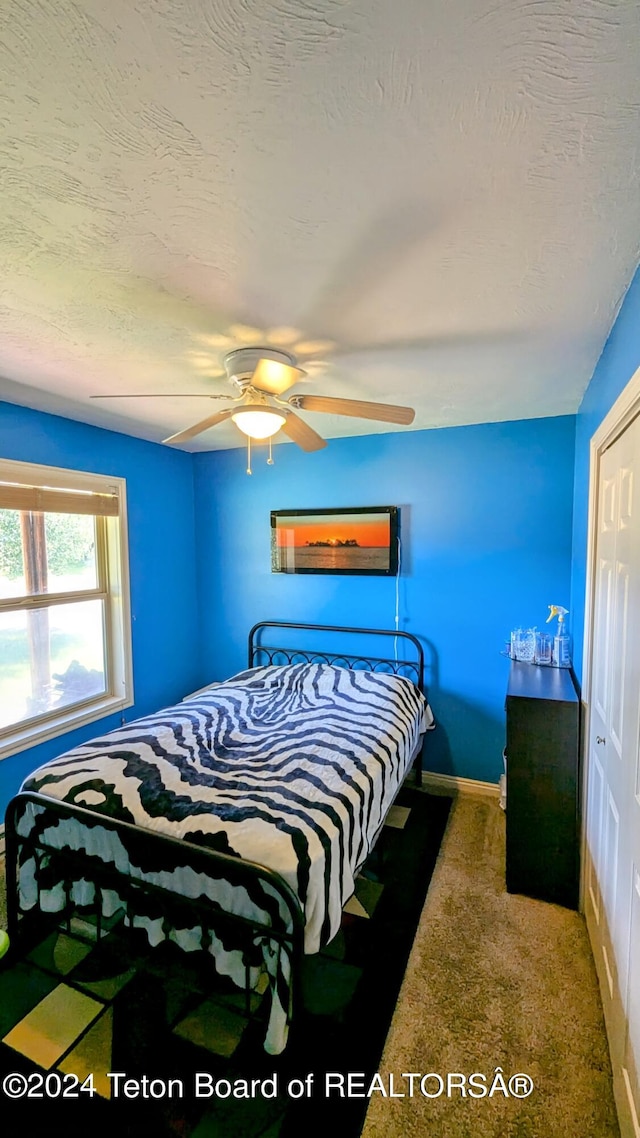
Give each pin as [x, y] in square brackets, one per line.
[496, 980]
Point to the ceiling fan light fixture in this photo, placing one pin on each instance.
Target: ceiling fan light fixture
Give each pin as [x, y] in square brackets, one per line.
[258, 423]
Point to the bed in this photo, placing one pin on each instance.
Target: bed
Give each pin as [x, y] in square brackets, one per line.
[235, 822]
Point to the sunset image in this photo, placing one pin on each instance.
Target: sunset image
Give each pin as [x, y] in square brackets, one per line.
[327, 541]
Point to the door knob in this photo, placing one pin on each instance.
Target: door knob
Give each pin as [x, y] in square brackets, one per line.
[599, 739]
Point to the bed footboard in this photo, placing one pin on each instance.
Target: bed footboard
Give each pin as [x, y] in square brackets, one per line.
[34, 848]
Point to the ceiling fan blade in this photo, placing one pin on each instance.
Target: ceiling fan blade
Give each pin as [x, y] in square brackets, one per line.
[203, 425]
[275, 377]
[302, 434]
[358, 408]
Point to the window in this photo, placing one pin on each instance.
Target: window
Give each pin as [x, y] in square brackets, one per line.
[65, 639]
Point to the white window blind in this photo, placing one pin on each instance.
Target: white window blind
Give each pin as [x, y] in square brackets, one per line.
[44, 499]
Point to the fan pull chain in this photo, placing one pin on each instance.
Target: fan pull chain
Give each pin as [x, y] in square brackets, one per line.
[270, 461]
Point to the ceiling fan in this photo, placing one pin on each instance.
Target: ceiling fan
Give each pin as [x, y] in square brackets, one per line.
[261, 376]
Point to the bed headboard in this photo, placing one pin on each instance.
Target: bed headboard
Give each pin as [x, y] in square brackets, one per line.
[412, 668]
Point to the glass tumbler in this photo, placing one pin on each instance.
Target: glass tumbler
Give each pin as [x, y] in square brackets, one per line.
[525, 645]
[543, 648]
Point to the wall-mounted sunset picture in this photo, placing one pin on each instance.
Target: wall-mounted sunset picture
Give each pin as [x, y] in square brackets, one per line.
[361, 541]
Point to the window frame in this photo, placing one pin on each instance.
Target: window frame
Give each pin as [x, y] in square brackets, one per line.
[112, 587]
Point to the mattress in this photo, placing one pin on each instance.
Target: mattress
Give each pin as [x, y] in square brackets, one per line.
[291, 767]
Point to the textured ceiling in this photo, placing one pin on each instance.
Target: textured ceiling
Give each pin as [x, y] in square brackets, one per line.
[445, 190]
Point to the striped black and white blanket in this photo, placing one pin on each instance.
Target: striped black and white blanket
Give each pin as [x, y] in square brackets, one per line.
[292, 767]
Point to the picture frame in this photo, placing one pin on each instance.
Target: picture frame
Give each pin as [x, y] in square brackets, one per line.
[359, 541]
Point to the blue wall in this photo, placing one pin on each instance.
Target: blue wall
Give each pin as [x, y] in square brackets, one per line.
[486, 526]
[485, 522]
[161, 552]
[619, 360]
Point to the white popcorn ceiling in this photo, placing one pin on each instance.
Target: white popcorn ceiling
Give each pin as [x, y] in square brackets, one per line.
[447, 190]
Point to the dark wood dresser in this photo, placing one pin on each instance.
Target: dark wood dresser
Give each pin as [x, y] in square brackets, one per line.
[543, 835]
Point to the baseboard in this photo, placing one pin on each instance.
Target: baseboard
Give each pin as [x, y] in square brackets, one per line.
[453, 784]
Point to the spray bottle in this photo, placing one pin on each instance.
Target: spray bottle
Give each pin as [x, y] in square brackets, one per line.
[561, 640]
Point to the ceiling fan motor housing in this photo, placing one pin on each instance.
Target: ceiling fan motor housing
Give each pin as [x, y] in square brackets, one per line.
[241, 364]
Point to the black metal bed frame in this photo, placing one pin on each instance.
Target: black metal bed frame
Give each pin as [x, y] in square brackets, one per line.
[411, 669]
[23, 930]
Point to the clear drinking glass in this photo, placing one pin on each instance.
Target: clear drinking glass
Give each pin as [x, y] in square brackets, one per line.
[525, 645]
[543, 648]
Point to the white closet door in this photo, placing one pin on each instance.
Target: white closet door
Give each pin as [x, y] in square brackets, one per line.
[612, 900]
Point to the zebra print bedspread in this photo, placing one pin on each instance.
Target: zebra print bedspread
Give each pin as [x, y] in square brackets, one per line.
[293, 767]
